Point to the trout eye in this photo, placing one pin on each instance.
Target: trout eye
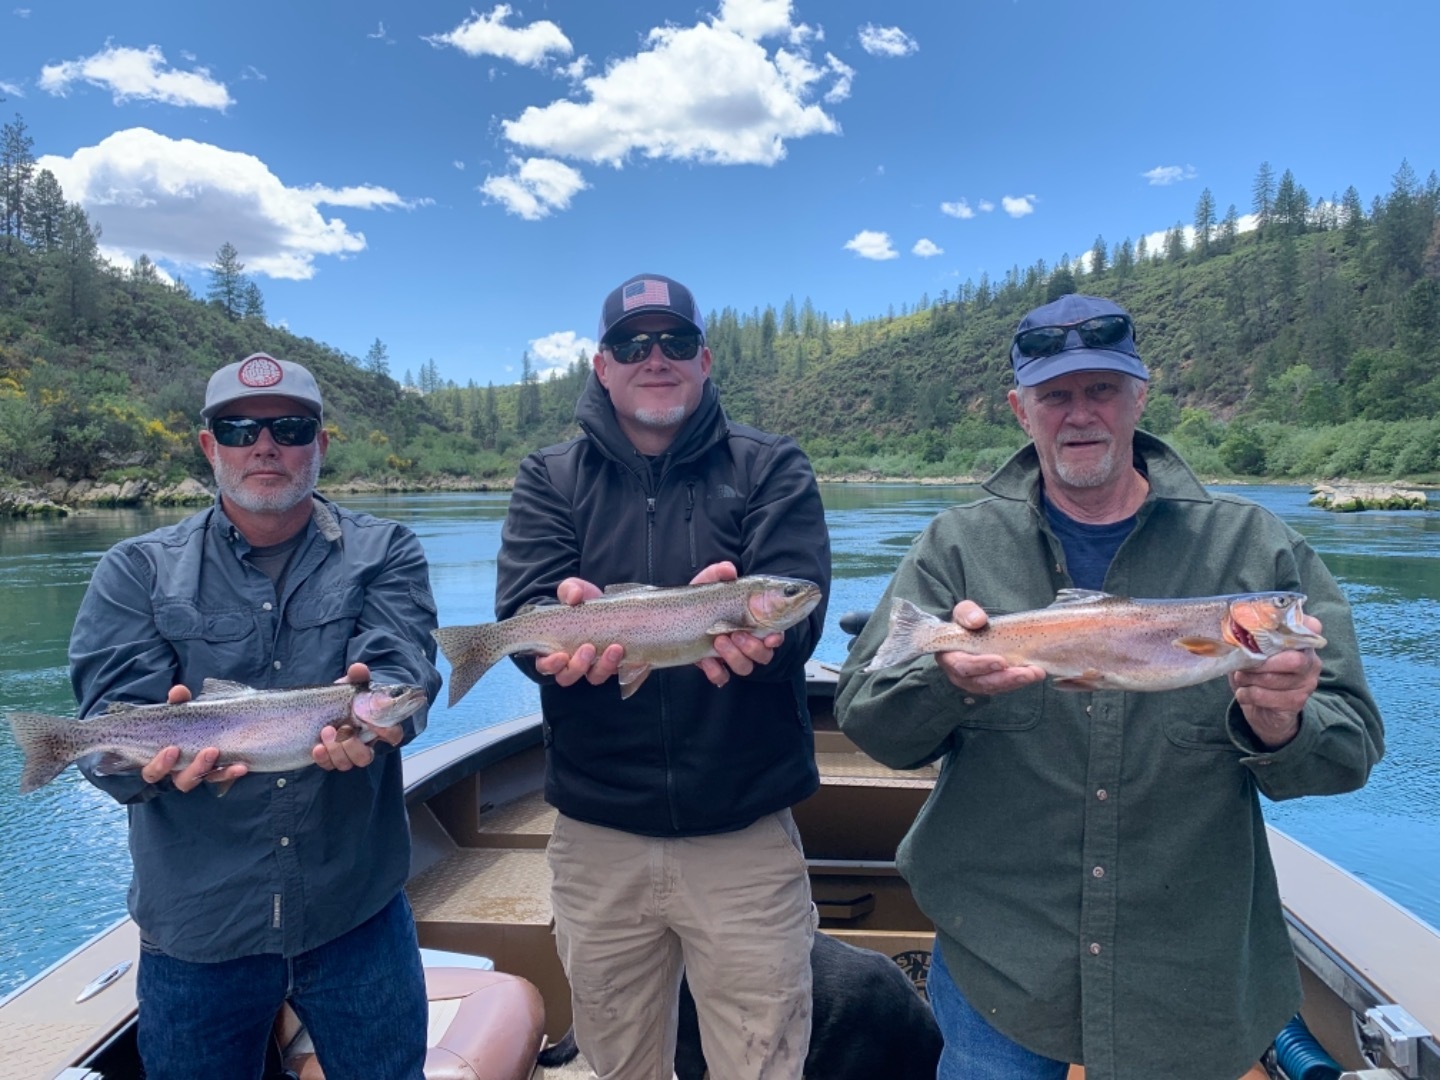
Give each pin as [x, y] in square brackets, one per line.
[792, 590]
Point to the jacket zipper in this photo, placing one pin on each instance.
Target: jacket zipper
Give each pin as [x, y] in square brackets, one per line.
[690, 522]
[650, 501]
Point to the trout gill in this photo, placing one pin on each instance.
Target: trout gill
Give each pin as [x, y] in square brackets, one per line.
[266, 730]
[659, 627]
[1090, 640]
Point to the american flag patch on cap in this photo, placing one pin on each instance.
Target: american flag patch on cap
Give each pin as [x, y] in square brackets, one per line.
[644, 292]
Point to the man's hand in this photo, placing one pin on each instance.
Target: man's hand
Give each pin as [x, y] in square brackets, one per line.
[202, 768]
[984, 675]
[343, 752]
[740, 651]
[1272, 695]
[568, 668]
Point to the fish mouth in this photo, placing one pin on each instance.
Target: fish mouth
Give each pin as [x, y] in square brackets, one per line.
[1242, 637]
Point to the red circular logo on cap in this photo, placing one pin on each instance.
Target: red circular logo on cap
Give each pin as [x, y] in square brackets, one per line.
[260, 371]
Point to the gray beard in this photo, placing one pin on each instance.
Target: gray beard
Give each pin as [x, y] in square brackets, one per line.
[661, 418]
[274, 500]
[1088, 476]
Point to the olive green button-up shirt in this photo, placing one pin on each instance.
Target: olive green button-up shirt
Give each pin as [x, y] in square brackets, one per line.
[1096, 863]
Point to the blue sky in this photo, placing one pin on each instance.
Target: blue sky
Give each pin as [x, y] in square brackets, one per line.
[467, 183]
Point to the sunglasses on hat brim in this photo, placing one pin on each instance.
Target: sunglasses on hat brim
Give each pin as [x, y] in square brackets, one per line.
[1099, 332]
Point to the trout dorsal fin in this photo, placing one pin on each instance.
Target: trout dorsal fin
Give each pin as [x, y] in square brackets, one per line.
[1069, 597]
[221, 689]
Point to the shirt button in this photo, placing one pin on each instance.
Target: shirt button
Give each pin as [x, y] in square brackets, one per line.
[266, 606]
[280, 782]
[285, 842]
[277, 665]
[1087, 710]
[1102, 794]
[969, 701]
[1094, 948]
[1098, 872]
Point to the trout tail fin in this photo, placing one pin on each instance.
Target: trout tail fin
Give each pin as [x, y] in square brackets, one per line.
[908, 637]
[472, 651]
[47, 746]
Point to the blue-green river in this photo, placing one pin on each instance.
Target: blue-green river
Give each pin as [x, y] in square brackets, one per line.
[65, 865]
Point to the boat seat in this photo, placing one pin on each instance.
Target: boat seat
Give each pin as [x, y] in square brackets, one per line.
[484, 1025]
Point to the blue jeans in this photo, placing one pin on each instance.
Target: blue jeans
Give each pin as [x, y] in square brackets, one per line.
[973, 1049]
[362, 997]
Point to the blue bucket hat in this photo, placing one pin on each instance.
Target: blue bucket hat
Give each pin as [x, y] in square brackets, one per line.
[1073, 354]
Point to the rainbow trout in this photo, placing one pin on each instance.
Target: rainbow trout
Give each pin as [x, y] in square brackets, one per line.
[267, 730]
[1090, 640]
[667, 627]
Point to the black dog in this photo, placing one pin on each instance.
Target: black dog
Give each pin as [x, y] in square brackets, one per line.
[868, 1021]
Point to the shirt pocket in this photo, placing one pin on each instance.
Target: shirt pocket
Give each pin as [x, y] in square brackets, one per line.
[324, 622]
[1194, 716]
[209, 641]
[1018, 710]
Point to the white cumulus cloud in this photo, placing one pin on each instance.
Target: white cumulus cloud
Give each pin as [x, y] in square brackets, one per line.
[13, 89]
[487, 35]
[869, 244]
[535, 188]
[926, 248]
[138, 74]
[887, 41]
[757, 19]
[986, 206]
[958, 209]
[1164, 175]
[1017, 206]
[179, 200]
[555, 352]
[726, 100]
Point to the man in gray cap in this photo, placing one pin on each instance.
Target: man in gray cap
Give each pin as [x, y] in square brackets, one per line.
[1095, 862]
[290, 886]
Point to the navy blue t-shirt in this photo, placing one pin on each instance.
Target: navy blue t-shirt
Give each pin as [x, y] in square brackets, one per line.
[1089, 549]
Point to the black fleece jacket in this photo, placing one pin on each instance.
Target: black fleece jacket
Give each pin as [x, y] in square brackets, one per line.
[680, 757]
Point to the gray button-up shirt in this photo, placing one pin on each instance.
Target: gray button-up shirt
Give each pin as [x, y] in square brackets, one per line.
[284, 862]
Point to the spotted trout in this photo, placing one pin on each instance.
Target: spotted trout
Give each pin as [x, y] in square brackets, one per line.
[1090, 640]
[266, 730]
[659, 627]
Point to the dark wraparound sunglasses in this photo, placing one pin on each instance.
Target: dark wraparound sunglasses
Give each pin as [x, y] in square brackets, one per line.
[1101, 332]
[244, 430]
[682, 346]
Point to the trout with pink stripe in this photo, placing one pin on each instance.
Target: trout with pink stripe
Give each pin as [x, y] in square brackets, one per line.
[668, 627]
[1090, 640]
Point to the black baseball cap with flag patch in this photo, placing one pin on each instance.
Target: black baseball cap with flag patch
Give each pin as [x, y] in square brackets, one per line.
[648, 294]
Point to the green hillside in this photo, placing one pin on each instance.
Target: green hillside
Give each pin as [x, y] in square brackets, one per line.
[1307, 348]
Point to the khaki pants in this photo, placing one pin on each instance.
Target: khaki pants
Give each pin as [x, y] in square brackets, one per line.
[634, 913]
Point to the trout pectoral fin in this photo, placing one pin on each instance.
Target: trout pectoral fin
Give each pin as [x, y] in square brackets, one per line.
[724, 626]
[111, 764]
[632, 677]
[1086, 680]
[1204, 646]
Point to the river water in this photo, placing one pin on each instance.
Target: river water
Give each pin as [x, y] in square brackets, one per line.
[65, 864]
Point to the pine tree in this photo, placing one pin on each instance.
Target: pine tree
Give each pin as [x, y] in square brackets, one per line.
[1263, 197]
[377, 359]
[44, 210]
[1229, 228]
[144, 271]
[1204, 223]
[227, 281]
[252, 301]
[17, 169]
[1099, 262]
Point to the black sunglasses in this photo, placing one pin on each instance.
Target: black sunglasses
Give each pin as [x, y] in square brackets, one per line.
[681, 346]
[1101, 332]
[245, 430]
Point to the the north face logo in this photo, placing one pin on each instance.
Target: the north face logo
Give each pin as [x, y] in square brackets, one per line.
[723, 491]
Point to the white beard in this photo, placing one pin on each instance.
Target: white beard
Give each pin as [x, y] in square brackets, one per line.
[661, 418]
[1087, 476]
[275, 500]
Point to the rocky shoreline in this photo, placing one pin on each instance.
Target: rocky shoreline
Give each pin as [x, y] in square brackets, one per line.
[60, 498]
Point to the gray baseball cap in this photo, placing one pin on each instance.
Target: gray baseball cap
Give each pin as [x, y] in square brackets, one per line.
[260, 374]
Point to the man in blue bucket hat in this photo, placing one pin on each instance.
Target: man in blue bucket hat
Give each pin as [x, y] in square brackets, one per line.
[1095, 862]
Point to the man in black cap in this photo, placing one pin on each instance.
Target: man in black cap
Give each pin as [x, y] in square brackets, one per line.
[290, 886]
[674, 850]
[1095, 862]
